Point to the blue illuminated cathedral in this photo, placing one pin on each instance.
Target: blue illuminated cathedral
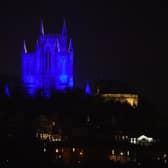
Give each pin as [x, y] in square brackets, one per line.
[50, 66]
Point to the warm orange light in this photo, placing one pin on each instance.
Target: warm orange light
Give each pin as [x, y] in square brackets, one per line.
[81, 153]
[49, 136]
[131, 99]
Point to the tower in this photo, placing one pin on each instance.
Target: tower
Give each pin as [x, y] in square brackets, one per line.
[87, 89]
[50, 66]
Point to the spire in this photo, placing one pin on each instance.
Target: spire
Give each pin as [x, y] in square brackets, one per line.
[37, 44]
[24, 47]
[87, 89]
[70, 45]
[7, 92]
[64, 28]
[41, 28]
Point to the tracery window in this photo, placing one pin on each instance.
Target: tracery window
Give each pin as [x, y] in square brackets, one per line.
[47, 60]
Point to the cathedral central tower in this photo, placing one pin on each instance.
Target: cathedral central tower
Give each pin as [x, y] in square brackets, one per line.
[51, 65]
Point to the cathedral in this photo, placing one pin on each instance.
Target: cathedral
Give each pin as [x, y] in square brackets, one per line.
[50, 66]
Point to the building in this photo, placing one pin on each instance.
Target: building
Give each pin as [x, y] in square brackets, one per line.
[50, 66]
[117, 92]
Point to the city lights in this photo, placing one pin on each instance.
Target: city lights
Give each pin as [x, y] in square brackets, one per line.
[73, 149]
[143, 137]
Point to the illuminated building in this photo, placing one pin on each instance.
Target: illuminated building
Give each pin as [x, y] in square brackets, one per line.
[49, 136]
[117, 92]
[44, 129]
[120, 156]
[50, 66]
[144, 140]
[131, 99]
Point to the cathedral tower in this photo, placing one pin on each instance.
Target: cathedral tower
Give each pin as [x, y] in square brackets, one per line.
[51, 65]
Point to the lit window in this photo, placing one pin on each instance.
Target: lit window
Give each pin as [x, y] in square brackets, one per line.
[121, 153]
[44, 150]
[158, 158]
[165, 155]
[112, 152]
[53, 123]
[81, 153]
[132, 140]
[73, 149]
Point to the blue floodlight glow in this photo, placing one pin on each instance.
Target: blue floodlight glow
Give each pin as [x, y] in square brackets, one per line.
[50, 66]
[63, 78]
[7, 92]
[87, 89]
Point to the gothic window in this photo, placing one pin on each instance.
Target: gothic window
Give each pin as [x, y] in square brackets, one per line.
[47, 60]
[63, 65]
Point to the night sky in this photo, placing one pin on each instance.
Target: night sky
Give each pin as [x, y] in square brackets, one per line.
[123, 41]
